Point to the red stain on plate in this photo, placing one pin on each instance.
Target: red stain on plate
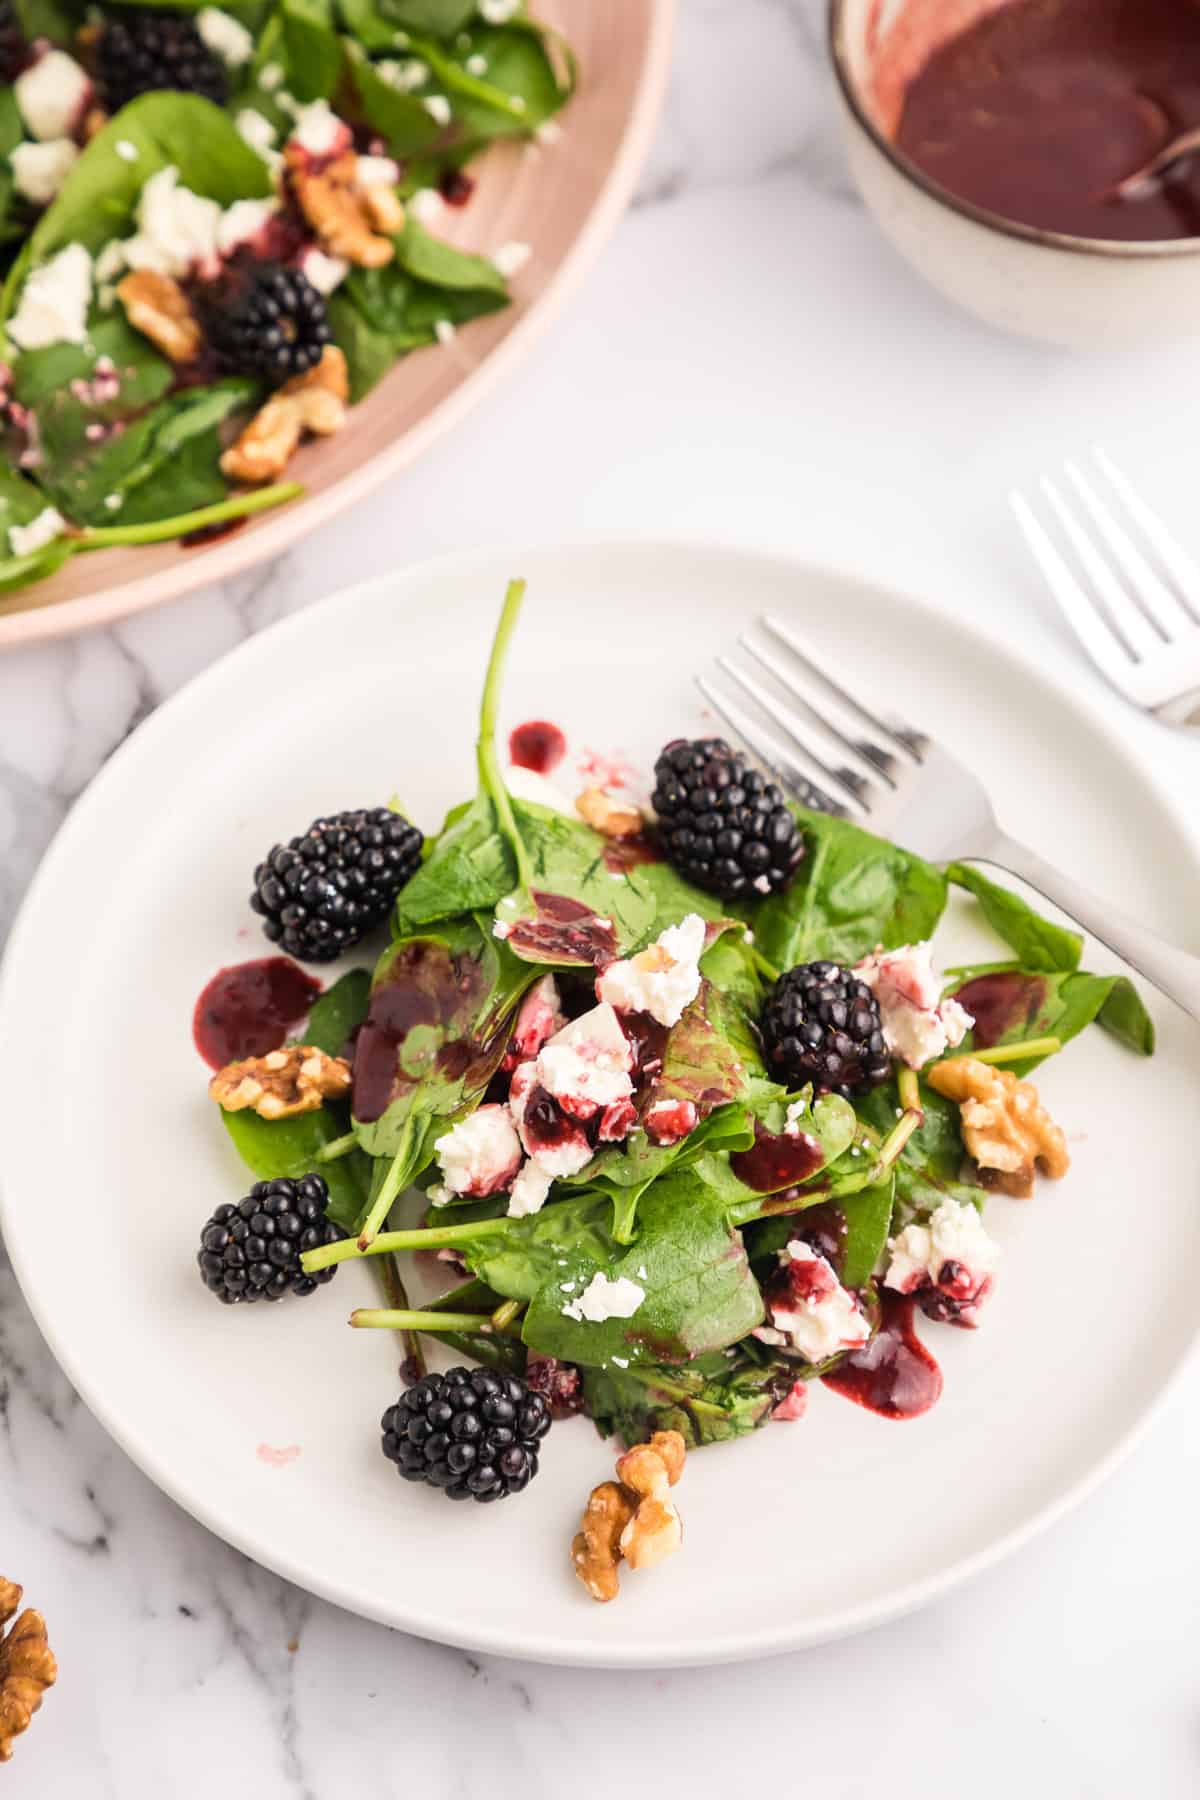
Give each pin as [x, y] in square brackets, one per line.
[277, 1459]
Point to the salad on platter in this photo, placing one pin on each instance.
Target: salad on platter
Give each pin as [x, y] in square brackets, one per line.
[690, 1118]
[220, 227]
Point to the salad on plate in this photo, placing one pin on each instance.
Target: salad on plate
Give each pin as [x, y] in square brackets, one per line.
[663, 1100]
[220, 227]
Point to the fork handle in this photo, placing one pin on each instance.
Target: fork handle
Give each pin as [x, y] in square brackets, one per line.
[1174, 972]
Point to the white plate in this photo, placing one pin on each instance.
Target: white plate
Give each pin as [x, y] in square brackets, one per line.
[111, 1155]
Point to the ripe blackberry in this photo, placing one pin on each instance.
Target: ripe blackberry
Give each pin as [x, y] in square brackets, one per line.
[275, 324]
[721, 823]
[470, 1432]
[321, 892]
[252, 1251]
[140, 50]
[14, 51]
[820, 1023]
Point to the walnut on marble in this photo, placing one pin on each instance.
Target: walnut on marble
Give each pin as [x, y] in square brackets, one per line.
[27, 1666]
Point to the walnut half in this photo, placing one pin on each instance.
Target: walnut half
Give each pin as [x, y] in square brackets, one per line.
[1004, 1124]
[314, 402]
[157, 306]
[349, 216]
[611, 818]
[632, 1517]
[27, 1667]
[282, 1083]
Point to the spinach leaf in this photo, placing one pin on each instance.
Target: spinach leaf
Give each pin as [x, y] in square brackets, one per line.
[712, 1400]
[1010, 1004]
[1038, 943]
[275, 1147]
[312, 53]
[369, 353]
[49, 19]
[339, 1012]
[399, 118]
[868, 1216]
[628, 1169]
[441, 18]
[851, 893]
[442, 265]
[530, 75]
[932, 1162]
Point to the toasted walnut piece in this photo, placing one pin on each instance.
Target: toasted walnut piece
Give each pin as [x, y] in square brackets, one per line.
[281, 1084]
[650, 1469]
[314, 402]
[596, 1550]
[654, 1533]
[1004, 1124]
[342, 213]
[27, 1667]
[383, 207]
[157, 306]
[608, 816]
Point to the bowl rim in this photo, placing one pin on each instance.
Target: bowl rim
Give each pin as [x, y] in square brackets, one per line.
[1137, 250]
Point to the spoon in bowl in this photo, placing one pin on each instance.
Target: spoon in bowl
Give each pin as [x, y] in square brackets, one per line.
[1186, 144]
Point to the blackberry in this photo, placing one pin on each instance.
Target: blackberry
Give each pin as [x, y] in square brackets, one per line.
[252, 1251]
[142, 49]
[721, 823]
[14, 51]
[321, 892]
[820, 1023]
[275, 324]
[470, 1432]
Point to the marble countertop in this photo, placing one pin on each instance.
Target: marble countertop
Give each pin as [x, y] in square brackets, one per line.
[750, 361]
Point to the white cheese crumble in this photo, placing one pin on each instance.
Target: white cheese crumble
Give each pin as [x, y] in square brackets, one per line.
[511, 258]
[376, 171]
[39, 170]
[225, 36]
[110, 261]
[571, 1150]
[126, 150]
[177, 230]
[54, 302]
[529, 1191]
[604, 1299]
[476, 64]
[917, 1024]
[114, 502]
[955, 1234]
[540, 1017]
[270, 76]
[662, 979]
[242, 222]
[426, 206]
[549, 132]
[444, 331]
[481, 1154]
[586, 1065]
[818, 1316]
[438, 108]
[318, 129]
[404, 76]
[25, 539]
[498, 12]
[325, 272]
[255, 129]
[51, 95]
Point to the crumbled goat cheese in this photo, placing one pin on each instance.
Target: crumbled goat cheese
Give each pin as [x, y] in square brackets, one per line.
[549, 132]
[955, 1234]
[529, 1191]
[604, 1299]
[476, 64]
[319, 130]
[510, 259]
[797, 1116]
[670, 1121]
[539, 790]
[444, 331]
[404, 76]
[177, 230]
[481, 1154]
[225, 36]
[438, 108]
[54, 302]
[498, 12]
[917, 1024]
[586, 1066]
[51, 95]
[255, 129]
[242, 223]
[539, 1019]
[570, 1150]
[114, 502]
[127, 151]
[376, 171]
[517, 102]
[810, 1310]
[426, 206]
[39, 170]
[324, 272]
[23, 540]
[662, 979]
[110, 261]
[270, 76]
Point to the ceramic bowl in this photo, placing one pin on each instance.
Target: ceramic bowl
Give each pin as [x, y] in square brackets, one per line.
[1085, 293]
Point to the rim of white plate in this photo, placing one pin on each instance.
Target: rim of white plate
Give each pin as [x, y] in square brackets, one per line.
[737, 1646]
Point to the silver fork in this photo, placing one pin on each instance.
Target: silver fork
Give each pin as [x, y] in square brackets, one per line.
[837, 754]
[1126, 586]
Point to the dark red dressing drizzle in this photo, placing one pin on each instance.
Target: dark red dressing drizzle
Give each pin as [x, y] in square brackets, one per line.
[777, 1161]
[455, 187]
[250, 1008]
[537, 745]
[623, 854]
[1000, 1003]
[208, 534]
[564, 930]
[894, 1375]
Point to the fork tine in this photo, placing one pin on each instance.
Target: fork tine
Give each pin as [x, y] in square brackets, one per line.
[1107, 650]
[1156, 600]
[857, 786]
[907, 736]
[1122, 613]
[882, 761]
[783, 765]
[1180, 567]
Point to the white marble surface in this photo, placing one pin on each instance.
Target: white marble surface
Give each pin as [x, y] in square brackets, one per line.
[749, 359]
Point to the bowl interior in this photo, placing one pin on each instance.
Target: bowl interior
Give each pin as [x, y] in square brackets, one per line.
[885, 43]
